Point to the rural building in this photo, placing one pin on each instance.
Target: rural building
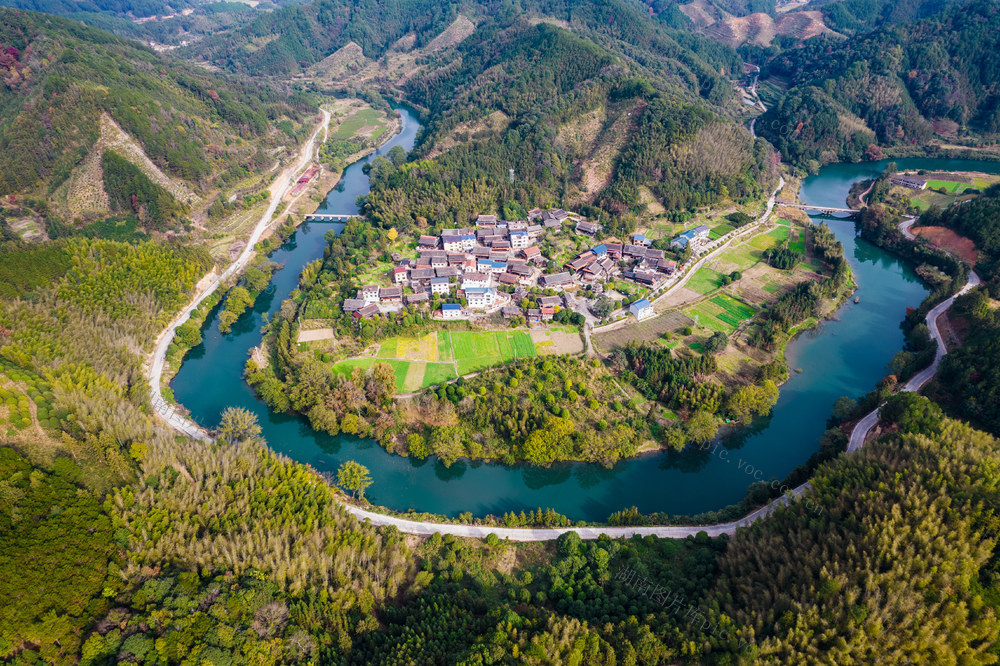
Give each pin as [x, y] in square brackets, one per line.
[366, 312]
[480, 297]
[452, 243]
[507, 278]
[519, 240]
[547, 313]
[555, 281]
[588, 228]
[642, 309]
[549, 301]
[532, 254]
[440, 285]
[369, 293]
[511, 311]
[486, 221]
[473, 280]
[419, 297]
[447, 271]
[427, 242]
[391, 294]
[451, 311]
[698, 234]
[909, 181]
[421, 274]
[353, 304]
[399, 274]
[599, 250]
[491, 266]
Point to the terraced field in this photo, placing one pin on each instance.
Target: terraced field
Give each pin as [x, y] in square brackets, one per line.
[442, 356]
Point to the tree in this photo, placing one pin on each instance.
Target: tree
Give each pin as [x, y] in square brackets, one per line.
[238, 425]
[717, 342]
[912, 413]
[392, 234]
[747, 401]
[701, 427]
[354, 477]
[446, 442]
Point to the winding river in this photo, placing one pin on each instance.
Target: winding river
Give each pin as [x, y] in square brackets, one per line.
[846, 355]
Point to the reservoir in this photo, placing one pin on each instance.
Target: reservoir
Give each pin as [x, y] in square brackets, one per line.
[846, 355]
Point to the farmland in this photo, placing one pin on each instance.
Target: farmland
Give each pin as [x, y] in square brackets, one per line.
[442, 356]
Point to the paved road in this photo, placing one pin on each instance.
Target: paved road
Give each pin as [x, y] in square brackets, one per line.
[919, 380]
[279, 187]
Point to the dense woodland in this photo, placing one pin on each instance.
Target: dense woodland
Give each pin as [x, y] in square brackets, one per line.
[59, 77]
[851, 95]
[121, 542]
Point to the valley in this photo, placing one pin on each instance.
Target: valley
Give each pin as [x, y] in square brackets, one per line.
[496, 332]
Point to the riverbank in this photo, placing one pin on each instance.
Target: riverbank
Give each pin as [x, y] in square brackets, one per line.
[284, 225]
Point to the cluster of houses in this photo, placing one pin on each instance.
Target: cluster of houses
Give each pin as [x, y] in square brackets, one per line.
[635, 261]
[467, 263]
[471, 263]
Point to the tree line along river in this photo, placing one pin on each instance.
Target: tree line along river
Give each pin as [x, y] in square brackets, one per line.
[846, 355]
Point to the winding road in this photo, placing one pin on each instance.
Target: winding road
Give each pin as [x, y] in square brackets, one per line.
[278, 189]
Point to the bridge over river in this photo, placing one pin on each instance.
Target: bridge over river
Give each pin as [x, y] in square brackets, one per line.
[823, 210]
[327, 217]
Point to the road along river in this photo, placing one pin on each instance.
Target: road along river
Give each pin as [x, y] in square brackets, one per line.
[844, 356]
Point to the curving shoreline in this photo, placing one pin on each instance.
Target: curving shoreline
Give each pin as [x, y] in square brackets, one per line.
[280, 186]
[187, 427]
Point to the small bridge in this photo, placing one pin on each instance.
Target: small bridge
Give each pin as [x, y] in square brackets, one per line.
[825, 210]
[330, 218]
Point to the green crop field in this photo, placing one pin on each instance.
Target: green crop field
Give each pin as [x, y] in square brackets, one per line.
[437, 373]
[444, 346]
[442, 356]
[770, 239]
[362, 118]
[347, 367]
[720, 231]
[799, 244]
[506, 350]
[388, 348]
[522, 344]
[721, 313]
[743, 256]
[783, 222]
[949, 186]
[704, 281]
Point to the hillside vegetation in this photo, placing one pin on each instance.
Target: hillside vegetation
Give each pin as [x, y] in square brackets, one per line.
[60, 78]
[906, 84]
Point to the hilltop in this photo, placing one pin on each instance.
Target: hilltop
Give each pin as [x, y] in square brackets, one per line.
[72, 95]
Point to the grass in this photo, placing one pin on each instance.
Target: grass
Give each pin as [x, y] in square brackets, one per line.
[444, 346]
[437, 373]
[743, 256]
[799, 244]
[347, 367]
[388, 348]
[704, 281]
[351, 125]
[522, 344]
[770, 239]
[720, 231]
[949, 186]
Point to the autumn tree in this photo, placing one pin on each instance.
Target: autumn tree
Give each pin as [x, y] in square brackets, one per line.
[354, 477]
[238, 425]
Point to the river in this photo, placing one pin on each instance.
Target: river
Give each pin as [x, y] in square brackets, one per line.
[846, 355]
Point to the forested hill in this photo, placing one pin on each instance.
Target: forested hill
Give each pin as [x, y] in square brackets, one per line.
[895, 87]
[577, 124]
[295, 37]
[62, 81]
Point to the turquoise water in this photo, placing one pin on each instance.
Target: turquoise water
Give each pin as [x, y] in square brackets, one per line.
[844, 356]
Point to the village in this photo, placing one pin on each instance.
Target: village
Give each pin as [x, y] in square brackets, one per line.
[492, 267]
